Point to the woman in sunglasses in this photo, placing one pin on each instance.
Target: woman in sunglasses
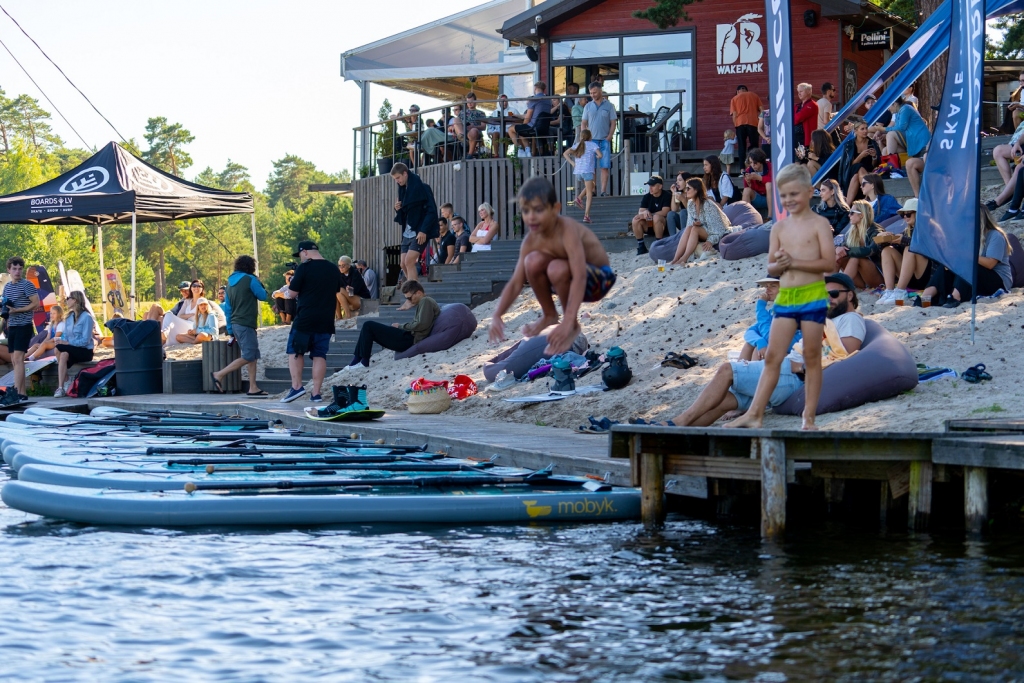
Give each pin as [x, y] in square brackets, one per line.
[884, 205]
[855, 256]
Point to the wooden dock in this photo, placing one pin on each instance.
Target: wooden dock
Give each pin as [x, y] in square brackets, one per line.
[903, 463]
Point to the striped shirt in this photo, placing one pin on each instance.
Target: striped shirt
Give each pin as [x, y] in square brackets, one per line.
[18, 295]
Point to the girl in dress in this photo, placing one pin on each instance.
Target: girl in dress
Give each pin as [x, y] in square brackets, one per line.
[728, 154]
[583, 158]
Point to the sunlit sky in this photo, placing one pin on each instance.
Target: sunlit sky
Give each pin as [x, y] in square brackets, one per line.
[253, 80]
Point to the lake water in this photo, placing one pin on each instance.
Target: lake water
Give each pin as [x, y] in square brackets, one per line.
[696, 602]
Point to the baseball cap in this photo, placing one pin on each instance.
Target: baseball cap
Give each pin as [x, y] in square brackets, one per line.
[766, 279]
[909, 206]
[842, 279]
[305, 246]
[184, 284]
[655, 180]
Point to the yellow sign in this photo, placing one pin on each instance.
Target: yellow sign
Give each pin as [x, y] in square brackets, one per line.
[535, 510]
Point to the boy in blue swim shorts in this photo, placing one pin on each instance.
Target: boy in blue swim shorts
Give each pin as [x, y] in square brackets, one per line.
[800, 252]
[560, 256]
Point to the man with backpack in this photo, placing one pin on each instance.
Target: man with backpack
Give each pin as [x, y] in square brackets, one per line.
[242, 308]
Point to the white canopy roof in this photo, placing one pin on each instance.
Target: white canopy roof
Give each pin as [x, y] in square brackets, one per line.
[463, 45]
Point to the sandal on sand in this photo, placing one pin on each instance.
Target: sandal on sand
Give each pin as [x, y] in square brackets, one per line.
[976, 374]
[216, 384]
[602, 426]
[257, 394]
[675, 360]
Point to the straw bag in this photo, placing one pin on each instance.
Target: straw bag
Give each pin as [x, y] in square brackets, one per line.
[428, 401]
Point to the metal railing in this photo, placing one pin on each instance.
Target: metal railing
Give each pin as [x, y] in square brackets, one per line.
[646, 130]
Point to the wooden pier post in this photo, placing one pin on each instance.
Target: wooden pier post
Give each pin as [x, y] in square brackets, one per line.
[920, 504]
[773, 486]
[975, 499]
[652, 490]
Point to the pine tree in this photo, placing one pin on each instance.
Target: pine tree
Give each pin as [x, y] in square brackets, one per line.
[665, 13]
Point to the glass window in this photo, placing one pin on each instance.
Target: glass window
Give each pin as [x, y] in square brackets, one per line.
[661, 44]
[584, 49]
[663, 75]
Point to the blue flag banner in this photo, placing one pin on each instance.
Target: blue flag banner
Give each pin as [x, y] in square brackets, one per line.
[947, 211]
[780, 89]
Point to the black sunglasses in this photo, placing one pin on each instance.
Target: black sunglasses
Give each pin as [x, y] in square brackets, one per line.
[834, 293]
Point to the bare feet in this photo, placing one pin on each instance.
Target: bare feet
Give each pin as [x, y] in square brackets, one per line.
[406, 306]
[732, 415]
[808, 425]
[538, 326]
[745, 421]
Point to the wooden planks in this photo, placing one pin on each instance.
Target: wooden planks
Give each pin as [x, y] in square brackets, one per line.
[1000, 452]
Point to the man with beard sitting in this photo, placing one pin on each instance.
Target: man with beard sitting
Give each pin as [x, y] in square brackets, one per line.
[733, 386]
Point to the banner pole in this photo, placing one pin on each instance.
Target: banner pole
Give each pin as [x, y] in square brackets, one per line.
[981, 225]
[255, 253]
[131, 308]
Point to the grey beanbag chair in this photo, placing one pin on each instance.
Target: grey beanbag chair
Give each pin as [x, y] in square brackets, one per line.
[665, 248]
[455, 323]
[745, 243]
[524, 354]
[881, 369]
[742, 215]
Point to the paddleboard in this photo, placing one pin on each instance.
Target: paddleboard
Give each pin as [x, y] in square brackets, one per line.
[351, 416]
[551, 396]
[31, 368]
[38, 276]
[115, 297]
[467, 505]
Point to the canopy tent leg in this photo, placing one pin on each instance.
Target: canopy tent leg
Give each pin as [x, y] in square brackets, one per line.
[131, 306]
[103, 273]
[255, 249]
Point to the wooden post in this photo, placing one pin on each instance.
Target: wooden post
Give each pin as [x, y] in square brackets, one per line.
[920, 503]
[975, 499]
[652, 489]
[883, 507]
[773, 486]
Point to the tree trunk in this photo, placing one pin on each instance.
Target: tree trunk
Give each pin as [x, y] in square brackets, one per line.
[930, 84]
[161, 277]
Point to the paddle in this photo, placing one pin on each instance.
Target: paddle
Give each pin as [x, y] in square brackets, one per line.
[417, 482]
[215, 450]
[355, 459]
[330, 469]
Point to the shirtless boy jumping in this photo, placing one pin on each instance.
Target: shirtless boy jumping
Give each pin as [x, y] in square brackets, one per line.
[557, 255]
[800, 252]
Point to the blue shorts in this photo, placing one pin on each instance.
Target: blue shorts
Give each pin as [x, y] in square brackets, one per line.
[317, 346]
[586, 177]
[746, 375]
[606, 153]
[760, 201]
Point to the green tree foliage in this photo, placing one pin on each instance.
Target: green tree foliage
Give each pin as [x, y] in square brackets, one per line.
[665, 13]
[904, 9]
[1009, 43]
[30, 154]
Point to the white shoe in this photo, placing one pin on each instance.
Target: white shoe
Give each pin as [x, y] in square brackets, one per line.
[354, 368]
[59, 393]
[888, 298]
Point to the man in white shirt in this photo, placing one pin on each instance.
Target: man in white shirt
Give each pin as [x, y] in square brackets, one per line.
[733, 386]
[828, 95]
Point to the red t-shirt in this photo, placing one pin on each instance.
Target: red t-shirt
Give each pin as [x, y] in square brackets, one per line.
[808, 116]
[766, 177]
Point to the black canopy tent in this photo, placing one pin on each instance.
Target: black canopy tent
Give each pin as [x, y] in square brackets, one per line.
[115, 187]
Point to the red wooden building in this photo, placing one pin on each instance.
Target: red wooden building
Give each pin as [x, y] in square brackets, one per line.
[702, 60]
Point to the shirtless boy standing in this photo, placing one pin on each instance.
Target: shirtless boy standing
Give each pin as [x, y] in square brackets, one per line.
[557, 255]
[800, 252]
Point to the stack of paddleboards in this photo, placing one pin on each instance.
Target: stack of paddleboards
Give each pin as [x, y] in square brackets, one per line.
[181, 469]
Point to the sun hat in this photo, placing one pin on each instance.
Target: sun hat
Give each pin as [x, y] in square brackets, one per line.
[909, 206]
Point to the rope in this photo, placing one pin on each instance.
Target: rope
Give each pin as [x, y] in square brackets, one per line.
[65, 77]
[44, 94]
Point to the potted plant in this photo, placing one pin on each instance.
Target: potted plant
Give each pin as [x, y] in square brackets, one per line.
[384, 145]
[365, 171]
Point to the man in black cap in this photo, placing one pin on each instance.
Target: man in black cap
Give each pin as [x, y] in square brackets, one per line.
[732, 388]
[315, 286]
[654, 208]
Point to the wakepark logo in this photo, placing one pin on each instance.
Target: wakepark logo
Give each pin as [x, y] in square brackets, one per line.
[739, 49]
[86, 180]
